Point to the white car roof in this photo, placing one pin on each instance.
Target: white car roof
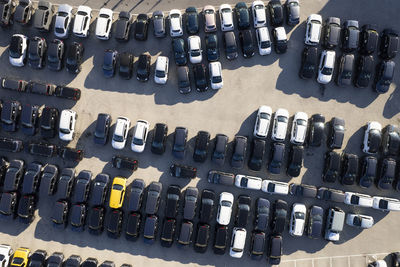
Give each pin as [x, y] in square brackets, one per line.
[121, 121]
[175, 11]
[65, 8]
[280, 187]
[194, 42]
[374, 125]
[263, 34]
[106, 11]
[226, 196]
[364, 200]
[223, 6]
[330, 58]
[139, 129]
[299, 207]
[301, 115]
[240, 237]
[84, 8]
[161, 63]
[265, 109]
[252, 181]
[208, 7]
[65, 118]
[215, 68]
[280, 33]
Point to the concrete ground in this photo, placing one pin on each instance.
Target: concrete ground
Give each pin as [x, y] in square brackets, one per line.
[248, 83]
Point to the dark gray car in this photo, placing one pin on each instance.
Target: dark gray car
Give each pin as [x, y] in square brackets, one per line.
[185, 234]
[345, 72]
[99, 189]
[82, 187]
[262, 215]
[179, 146]
[123, 26]
[276, 158]
[390, 140]
[153, 198]
[315, 222]
[7, 8]
[158, 24]
[384, 76]
[29, 119]
[329, 194]
[31, 178]
[190, 203]
[77, 217]
[73, 261]
[65, 183]
[10, 114]
[13, 175]
[368, 171]
[257, 246]
[350, 36]
[136, 195]
[172, 201]
[292, 12]
[183, 79]
[218, 177]
[336, 133]
[331, 35]
[387, 173]
[49, 179]
[218, 155]
[231, 48]
[303, 190]
[43, 16]
[239, 152]
[150, 229]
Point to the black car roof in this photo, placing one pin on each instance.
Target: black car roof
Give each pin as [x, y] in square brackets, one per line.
[202, 233]
[368, 63]
[143, 59]
[312, 54]
[279, 151]
[131, 225]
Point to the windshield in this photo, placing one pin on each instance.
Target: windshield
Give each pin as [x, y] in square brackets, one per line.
[71, 61]
[301, 122]
[103, 16]
[259, 7]
[64, 131]
[18, 261]
[118, 187]
[52, 59]
[82, 13]
[209, 11]
[174, 16]
[225, 203]
[195, 53]
[138, 141]
[264, 116]
[282, 119]
[299, 215]
[226, 10]
[217, 79]
[160, 73]
[62, 14]
[59, 30]
[326, 71]
[265, 44]
[14, 53]
[118, 138]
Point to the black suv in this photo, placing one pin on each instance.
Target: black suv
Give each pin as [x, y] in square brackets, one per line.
[141, 27]
[123, 26]
[349, 169]
[279, 219]
[336, 133]
[23, 12]
[350, 36]
[316, 132]
[75, 57]
[221, 143]
[201, 146]
[55, 55]
[68, 92]
[192, 20]
[65, 183]
[179, 146]
[109, 62]
[7, 8]
[168, 232]
[331, 32]
[49, 179]
[295, 162]
[387, 174]
[78, 217]
[42, 149]
[114, 223]
[48, 122]
[345, 72]
[364, 70]
[36, 52]
[256, 154]
[277, 155]
[242, 16]
[132, 231]
[200, 77]
[368, 171]
[125, 65]
[29, 119]
[31, 178]
[389, 44]
[179, 48]
[13, 177]
[391, 140]
[212, 49]
[331, 167]
[309, 60]
[71, 154]
[384, 76]
[206, 206]
[159, 138]
[276, 12]
[368, 39]
[102, 129]
[183, 171]
[239, 152]
[230, 45]
[14, 84]
[99, 189]
[220, 239]
[247, 43]
[125, 163]
[26, 208]
[59, 214]
[143, 68]
[41, 88]
[9, 115]
[261, 219]
[82, 187]
[8, 204]
[172, 201]
[202, 237]
[243, 211]
[95, 220]
[11, 145]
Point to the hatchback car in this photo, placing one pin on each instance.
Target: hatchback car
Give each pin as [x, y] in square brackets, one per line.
[277, 155]
[364, 71]
[349, 169]
[350, 36]
[384, 76]
[139, 136]
[210, 19]
[117, 194]
[63, 20]
[7, 8]
[179, 145]
[326, 66]
[184, 83]
[158, 24]
[104, 24]
[125, 65]
[280, 125]
[368, 39]
[190, 203]
[65, 183]
[110, 63]
[256, 154]
[263, 41]
[247, 43]
[23, 12]
[278, 222]
[242, 16]
[74, 57]
[238, 241]
[194, 49]
[175, 19]
[387, 173]
[153, 198]
[263, 119]
[297, 219]
[10, 115]
[201, 146]
[230, 45]
[161, 70]
[368, 171]
[331, 33]
[99, 190]
[224, 208]
[36, 52]
[18, 50]
[332, 167]
[67, 125]
[82, 21]
[226, 17]
[200, 77]
[280, 40]
[336, 133]
[293, 12]
[313, 29]
[141, 27]
[120, 135]
[123, 26]
[192, 20]
[158, 143]
[389, 44]
[239, 152]
[179, 49]
[143, 68]
[276, 12]
[309, 60]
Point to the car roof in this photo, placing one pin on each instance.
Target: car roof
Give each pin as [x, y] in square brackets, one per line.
[280, 33]
[229, 38]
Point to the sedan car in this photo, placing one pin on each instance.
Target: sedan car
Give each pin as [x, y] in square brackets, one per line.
[364, 71]
[384, 76]
[242, 16]
[280, 125]
[179, 145]
[293, 12]
[230, 45]
[326, 66]
[82, 21]
[263, 41]
[158, 24]
[200, 77]
[313, 29]
[7, 8]
[120, 134]
[201, 146]
[332, 30]
[278, 222]
[63, 20]
[192, 20]
[345, 71]
[18, 50]
[357, 199]
[239, 152]
[143, 68]
[139, 136]
[359, 220]
[368, 39]
[114, 223]
[23, 12]
[297, 219]
[349, 169]
[190, 203]
[350, 36]
[389, 44]
[386, 204]
[161, 70]
[14, 84]
[387, 174]
[110, 63]
[226, 17]
[49, 179]
[256, 154]
[102, 128]
[336, 133]
[315, 222]
[117, 193]
[125, 65]
[158, 143]
[141, 27]
[175, 20]
[309, 60]
[276, 12]
[179, 49]
[99, 190]
[276, 158]
[103, 25]
[153, 198]
[215, 75]
[67, 125]
[368, 171]
[210, 19]
[36, 52]
[224, 208]
[247, 43]
[172, 201]
[41, 88]
[82, 187]
[316, 131]
[74, 58]
[194, 49]
[299, 128]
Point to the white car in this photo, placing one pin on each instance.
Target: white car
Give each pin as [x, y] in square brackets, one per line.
[226, 17]
[120, 133]
[372, 137]
[238, 241]
[297, 219]
[194, 49]
[248, 182]
[175, 20]
[18, 49]
[67, 124]
[386, 204]
[259, 15]
[313, 29]
[326, 66]
[275, 187]
[225, 208]
[104, 23]
[82, 21]
[280, 125]
[215, 73]
[139, 137]
[299, 128]
[63, 21]
[161, 71]
[263, 119]
[359, 220]
[5, 254]
[263, 41]
[357, 199]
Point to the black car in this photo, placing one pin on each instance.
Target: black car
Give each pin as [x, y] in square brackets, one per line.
[158, 144]
[123, 26]
[59, 215]
[315, 222]
[109, 62]
[114, 223]
[136, 195]
[212, 48]
[71, 154]
[78, 217]
[36, 52]
[279, 217]
[220, 239]
[55, 260]
[316, 132]
[261, 219]
[395, 256]
[256, 154]
[23, 12]
[168, 232]
[55, 55]
[345, 71]
[387, 174]
[218, 177]
[200, 77]
[184, 83]
[221, 143]
[32, 175]
[292, 13]
[202, 237]
[82, 187]
[201, 146]
[8, 204]
[13, 176]
[3, 168]
[43, 16]
[49, 179]
[390, 140]
[14, 83]
[239, 152]
[331, 167]
[38, 258]
[132, 231]
[124, 163]
[329, 194]
[277, 155]
[179, 145]
[230, 45]
[192, 20]
[243, 211]
[185, 234]
[336, 133]
[368, 171]
[275, 248]
[190, 203]
[242, 16]
[247, 43]
[150, 229]
[303, 190]
[364, 70]
[206, 206]
[99, 191]
[74, 57]
[95, 220]
[72, 261]
[7, 8]
[141, 27]
[384, 76]
[295, 162]
[126, 65]
[68, 92]
[309, 60]
[42, 149]
[11, 145]
[368, 39]
[350, 36]
[143, 68]
[65, 183]
[153, 198]
[389, 44]
[48, 122]
[257, 245]
[331, 32]
[179, 49]
[172, 201]
[41, 88]
[276, 12]
[10, 115]
[349, 169]
[102, 129]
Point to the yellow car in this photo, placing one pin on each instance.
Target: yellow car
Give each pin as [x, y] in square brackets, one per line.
[117, 192]
[20, 258]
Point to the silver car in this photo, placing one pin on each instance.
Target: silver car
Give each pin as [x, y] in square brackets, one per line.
[210, 19]
[159, 24]
[63, 20]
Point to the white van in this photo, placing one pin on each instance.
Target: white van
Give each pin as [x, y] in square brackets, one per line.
[334, 224]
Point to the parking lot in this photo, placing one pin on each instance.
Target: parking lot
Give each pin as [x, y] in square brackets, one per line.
[248, 83]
